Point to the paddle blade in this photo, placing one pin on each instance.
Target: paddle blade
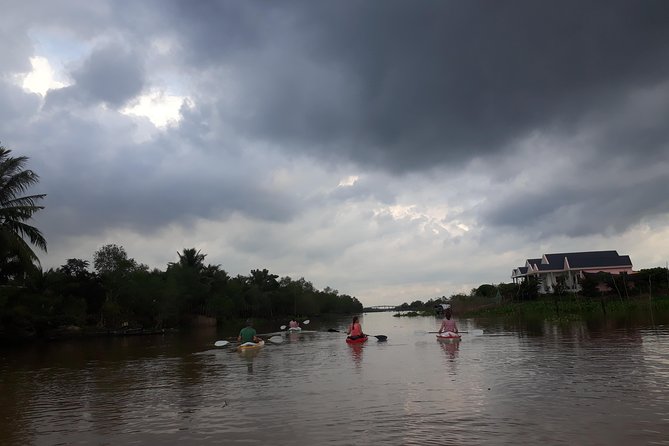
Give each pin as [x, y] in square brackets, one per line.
[221, 343]
[306, 322]
[332, 330]
[381, 338]
[283, 327]
[276, 339]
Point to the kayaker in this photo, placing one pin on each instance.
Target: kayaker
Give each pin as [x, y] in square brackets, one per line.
[293, 324]
[355, 330]
[447, 324]
[248, 333]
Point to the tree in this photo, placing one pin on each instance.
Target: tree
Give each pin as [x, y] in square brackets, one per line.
[76, 268]
[485, 290]
[113, 260]
[529, 288]
[16, 255]
[560, 286]
[189, 259]
[113, 265]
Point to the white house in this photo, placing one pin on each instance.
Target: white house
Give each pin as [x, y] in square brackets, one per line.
[571, 266]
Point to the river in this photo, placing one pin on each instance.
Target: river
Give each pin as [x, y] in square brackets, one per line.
[551, 385]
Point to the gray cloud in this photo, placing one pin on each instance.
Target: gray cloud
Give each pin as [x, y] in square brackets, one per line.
[111, 74]
[435, 82]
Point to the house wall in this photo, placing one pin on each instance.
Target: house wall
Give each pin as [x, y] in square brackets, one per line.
[549, 279]
[609, 270]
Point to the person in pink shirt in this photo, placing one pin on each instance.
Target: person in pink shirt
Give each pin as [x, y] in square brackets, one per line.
[355, 330]
[294, 324]
[448, 325]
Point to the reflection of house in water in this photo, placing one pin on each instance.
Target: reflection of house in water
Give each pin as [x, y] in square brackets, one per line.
[571, 267]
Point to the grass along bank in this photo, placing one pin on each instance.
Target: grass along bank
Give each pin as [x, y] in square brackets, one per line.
[567, 308]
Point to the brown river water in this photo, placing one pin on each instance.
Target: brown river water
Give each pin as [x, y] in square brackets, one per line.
[575, 384]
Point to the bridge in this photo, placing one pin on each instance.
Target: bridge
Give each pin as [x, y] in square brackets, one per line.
[380, 308]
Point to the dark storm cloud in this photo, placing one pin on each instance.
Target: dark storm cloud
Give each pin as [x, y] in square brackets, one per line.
[92, 186]
[581, 209]
[428, 82]
[111, 74]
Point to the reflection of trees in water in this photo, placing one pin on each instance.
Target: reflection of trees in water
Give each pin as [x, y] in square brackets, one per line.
[536, 326]
[18, 392]
[191, 369]
[190, 378]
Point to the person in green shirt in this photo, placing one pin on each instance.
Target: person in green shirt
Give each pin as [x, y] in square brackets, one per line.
[248, 333]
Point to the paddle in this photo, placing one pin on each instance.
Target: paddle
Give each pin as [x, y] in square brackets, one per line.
[472, 332]
[273, 340]
[380, 338]
[283, 327]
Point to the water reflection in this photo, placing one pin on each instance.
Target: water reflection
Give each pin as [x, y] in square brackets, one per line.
[249, 357]
[451, 348]
[356, 354]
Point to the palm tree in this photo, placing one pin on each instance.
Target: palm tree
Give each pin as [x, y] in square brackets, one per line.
[16, 255]
[191, 258]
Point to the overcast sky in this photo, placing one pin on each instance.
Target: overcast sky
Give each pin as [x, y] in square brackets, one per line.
[392, 150]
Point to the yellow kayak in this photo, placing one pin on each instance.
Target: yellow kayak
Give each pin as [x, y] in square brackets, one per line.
[250, 346]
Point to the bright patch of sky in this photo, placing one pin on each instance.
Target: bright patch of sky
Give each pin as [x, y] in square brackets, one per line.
[43, 77]
[160, 107]
[348, 181]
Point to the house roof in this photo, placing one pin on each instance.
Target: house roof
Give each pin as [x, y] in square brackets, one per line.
[588, 259]
[576, 260]
[533, 261]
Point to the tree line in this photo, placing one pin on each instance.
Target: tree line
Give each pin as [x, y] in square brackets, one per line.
[120, 293]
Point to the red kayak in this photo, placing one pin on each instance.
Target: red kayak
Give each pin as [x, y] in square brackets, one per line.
[356, 341]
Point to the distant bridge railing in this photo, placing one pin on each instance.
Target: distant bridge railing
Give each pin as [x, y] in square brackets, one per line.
[380, 308]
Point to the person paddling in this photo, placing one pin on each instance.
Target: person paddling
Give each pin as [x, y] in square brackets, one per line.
[248, 333]
[293, 324]
[448, 325]
[355, 330]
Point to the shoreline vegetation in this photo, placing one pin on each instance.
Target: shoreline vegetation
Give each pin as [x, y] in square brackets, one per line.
[123, 297]
[555, 310]
[575, 308]
[601, 294]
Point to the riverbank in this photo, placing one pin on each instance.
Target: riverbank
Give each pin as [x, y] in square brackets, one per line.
[227, 327]
[568, 308]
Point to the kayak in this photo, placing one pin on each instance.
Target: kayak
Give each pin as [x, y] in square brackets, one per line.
[448, 336]
[356, 341]
[294, 329]
[250, 346]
